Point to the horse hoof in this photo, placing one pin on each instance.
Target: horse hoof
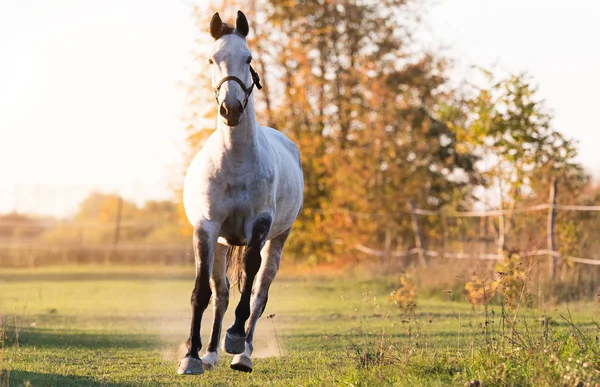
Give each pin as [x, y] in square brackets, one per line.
[190, 366]
[209, 361]
[207, 366]
[241, 363]
[234, 344]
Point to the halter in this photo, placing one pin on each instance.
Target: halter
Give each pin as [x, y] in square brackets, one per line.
[247, 90]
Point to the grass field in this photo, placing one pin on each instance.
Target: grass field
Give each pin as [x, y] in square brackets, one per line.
[125, 326]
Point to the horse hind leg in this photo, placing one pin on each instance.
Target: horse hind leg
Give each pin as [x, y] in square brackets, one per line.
[271, 257]
[220, 289]
[235, 336]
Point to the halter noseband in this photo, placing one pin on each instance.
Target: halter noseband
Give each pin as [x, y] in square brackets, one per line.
[247, 90]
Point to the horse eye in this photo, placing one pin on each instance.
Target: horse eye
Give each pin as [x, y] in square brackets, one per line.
[210, 61]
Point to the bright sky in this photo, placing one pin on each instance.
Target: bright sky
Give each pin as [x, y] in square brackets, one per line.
[90, 93]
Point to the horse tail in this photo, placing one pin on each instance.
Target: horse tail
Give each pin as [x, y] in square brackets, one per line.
[235, 264]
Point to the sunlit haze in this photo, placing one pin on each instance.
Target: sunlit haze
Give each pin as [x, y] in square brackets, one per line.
[91, 95]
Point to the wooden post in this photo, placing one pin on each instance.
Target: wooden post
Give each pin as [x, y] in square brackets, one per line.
[551, 220]
[486, 227]
[417, 230]
[501, 234]
[446, 233]
[117, 228]
[387, 247]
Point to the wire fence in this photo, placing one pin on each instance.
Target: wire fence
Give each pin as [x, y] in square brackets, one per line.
[485, 214]
[550, 250]
[50, 241]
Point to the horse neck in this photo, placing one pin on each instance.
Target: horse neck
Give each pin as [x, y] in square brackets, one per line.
[240, 143]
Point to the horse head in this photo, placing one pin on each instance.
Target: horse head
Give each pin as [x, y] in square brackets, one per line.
[233, 77]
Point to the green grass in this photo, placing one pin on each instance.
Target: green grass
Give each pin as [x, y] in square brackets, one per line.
[125, 326]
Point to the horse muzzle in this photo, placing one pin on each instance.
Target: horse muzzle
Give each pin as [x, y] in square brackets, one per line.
[231, 112]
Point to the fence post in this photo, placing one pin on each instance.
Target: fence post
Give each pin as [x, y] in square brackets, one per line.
[551, 222]
[501, 234]
[387, 247]
[417, 230]
[445, 232]
[117, 229]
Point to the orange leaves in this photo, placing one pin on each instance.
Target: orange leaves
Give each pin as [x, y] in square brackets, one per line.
[406, 294]
[480, 290]
[508, 282]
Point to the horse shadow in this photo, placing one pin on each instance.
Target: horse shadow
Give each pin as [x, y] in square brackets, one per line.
[26, 378]
[56, 338]
[61, 341]
[99, 276]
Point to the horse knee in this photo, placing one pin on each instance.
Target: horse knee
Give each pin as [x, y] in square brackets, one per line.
[260, 230]
[200, 298]
[202, 292]
[220, 286]
[223, 293]
[221, 296]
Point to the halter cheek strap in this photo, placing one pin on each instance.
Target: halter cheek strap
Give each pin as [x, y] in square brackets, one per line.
[247, 90]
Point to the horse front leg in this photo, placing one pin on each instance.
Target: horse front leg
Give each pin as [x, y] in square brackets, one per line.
[220, 289]
[236, 335]
[271, 257]
[204, 241]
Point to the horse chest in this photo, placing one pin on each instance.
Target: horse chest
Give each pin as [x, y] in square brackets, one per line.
[245, 200]
[247, 197]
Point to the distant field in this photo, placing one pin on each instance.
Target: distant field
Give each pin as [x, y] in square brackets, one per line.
[125, 326]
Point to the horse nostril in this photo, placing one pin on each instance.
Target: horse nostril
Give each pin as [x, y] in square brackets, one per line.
[231, 111]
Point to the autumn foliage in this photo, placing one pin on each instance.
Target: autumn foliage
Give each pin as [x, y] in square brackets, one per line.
[378, 123]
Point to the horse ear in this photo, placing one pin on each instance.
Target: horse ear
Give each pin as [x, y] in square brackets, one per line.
[216, 26]
[241, 24]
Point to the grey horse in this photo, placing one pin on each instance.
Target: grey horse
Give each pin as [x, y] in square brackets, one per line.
[242, 193]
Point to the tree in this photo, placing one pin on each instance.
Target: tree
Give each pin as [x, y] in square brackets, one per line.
[521, 153]
[361, 104]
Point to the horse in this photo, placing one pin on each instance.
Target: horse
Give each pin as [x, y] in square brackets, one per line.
[242, 193]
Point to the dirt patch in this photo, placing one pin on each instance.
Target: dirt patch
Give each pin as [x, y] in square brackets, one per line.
[266, 344]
